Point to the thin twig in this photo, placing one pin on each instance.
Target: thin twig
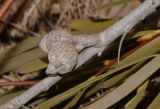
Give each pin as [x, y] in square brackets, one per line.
[18, 83]
[45, 19]
[120, 44]
[5, 8]
[19, 28]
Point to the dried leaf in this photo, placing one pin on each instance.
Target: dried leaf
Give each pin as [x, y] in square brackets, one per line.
[155, 103]
[71, 92]
[87, 26]
[112, 4]
[5, 98]
[32, 66]
[25, 45]
[21, 59]
[128, 86]
[138, 97]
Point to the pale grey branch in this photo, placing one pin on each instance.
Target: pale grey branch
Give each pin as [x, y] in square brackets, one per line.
[105, 38]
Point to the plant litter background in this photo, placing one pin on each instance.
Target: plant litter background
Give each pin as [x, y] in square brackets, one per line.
[135, 84]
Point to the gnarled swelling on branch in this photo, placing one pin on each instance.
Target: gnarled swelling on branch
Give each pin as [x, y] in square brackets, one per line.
[63, 48]
[106, 37]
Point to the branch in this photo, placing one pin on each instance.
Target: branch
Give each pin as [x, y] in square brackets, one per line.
[125, 24]
[40, 87]
[106, 37]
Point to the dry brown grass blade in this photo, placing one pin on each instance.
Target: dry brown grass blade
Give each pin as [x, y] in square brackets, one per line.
[21, 59]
